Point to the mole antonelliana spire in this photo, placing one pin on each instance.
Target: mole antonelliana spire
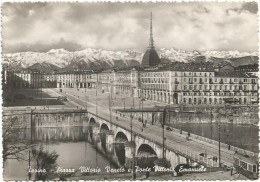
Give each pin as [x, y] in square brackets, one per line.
[151, 57]
[151, 43]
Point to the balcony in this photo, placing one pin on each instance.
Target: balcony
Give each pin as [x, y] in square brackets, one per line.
[190, 82]
[221, 82]
[201, 82]
[176, 82]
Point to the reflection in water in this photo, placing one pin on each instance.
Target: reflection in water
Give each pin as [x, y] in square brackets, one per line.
[120, 153]
[71, 145]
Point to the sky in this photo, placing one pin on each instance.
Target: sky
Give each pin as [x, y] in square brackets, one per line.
[74, 26]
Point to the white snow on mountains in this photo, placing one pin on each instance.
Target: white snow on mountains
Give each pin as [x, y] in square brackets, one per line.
[97, 57]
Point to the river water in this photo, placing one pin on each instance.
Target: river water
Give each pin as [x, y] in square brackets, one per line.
[70, 144]
[76, 149]
[242, 136]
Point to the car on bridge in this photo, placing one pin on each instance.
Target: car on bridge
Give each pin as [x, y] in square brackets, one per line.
[169, 128]
[62, 98]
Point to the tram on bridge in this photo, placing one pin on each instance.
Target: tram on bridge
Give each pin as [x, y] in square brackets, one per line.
[246, 165]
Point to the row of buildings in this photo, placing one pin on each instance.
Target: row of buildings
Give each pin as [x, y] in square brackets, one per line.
[181, 83]
[27, 78]
[175, 83]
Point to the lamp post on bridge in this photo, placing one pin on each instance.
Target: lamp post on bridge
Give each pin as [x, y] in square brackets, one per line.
[163, 138]
[124, 102]
[132, 147]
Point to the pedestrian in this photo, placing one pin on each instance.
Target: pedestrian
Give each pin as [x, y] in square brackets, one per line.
[231, 171]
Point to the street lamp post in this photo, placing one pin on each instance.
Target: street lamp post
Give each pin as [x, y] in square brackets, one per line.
[219, 144]
[96, 96]
[132, 147]
[142, 111]
[110, 110]
[124, 103]
[163, 138]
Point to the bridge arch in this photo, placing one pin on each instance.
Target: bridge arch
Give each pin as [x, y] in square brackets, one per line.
[92, 120]
[121, 137]
[146, 156]
[103, 132]
[104, 127]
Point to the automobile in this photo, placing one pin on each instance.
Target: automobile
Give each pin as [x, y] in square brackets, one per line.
[168, 128]
[62, 98]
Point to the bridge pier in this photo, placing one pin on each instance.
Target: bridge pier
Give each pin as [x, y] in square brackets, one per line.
[95, 131]
[129, 151]
[109, 140]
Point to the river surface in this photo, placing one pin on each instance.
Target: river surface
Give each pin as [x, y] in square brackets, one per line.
[242, 136]
[76, 149]
[69, 143]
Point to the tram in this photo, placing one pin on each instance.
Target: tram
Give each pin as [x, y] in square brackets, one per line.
[246, 165]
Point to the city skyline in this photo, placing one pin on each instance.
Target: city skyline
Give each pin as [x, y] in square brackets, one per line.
[41, 27]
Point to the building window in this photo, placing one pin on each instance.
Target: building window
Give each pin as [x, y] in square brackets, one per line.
[205, 100]
[189, 100]
[210, 100]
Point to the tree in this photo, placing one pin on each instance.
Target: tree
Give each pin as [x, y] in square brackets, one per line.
[45, 163]
[14, 142]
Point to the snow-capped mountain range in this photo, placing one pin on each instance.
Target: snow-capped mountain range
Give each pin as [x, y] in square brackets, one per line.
[62, 58]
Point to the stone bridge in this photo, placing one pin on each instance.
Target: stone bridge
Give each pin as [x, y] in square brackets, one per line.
[135, 144]
[108, 134]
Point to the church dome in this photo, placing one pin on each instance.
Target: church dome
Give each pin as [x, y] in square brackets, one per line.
[150, 58]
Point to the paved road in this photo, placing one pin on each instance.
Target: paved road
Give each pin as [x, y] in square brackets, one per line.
[153, 132]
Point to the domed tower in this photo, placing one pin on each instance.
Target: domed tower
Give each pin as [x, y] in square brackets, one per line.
[151, 57]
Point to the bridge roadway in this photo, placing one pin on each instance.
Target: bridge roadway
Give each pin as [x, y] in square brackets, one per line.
[154, 132]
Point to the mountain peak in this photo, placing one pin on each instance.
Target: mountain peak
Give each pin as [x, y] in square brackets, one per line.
[95, 58]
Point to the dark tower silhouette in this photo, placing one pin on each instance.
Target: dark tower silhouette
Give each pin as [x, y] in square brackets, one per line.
[151, 57]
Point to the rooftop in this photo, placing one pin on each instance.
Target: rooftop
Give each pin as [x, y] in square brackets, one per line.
[235, 74]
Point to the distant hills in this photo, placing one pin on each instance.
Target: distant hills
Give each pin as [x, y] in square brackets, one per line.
[92, 59]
